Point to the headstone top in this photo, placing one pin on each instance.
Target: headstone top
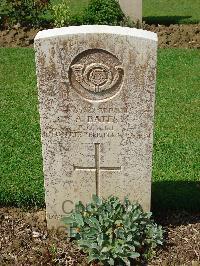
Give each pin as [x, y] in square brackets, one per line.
[95, 29]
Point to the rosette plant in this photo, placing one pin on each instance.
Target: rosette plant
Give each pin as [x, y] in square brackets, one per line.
[113, 233]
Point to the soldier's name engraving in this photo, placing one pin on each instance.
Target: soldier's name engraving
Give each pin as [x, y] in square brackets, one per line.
[102, 119]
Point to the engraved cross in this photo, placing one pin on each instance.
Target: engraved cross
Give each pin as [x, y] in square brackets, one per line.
[97, 168]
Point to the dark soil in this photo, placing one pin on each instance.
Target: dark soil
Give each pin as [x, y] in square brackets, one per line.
[24, 240]
[179, 36]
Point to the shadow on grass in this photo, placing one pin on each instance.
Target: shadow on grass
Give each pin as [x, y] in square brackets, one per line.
[176, 196]
[167, 20]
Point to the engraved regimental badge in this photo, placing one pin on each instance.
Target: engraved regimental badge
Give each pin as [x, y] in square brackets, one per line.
[96, 74]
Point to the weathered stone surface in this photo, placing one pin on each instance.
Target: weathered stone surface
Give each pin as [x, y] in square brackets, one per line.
[132, 9]
[96, 100]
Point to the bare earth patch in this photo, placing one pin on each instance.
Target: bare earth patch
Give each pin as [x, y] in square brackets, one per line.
[177, 36]
[24, 240]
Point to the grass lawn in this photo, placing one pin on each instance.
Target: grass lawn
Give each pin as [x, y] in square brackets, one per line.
[171, 11]
[21, 180]
[177, 138]
[159, 11]
[176, 164]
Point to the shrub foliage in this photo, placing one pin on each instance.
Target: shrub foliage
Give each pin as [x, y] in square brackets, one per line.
[31, 13]
[61, 14]
[112, 232]
[25, 12]
[104, 12]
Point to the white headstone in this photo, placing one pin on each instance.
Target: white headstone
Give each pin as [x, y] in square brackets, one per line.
[132, 9]
[96, 97]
